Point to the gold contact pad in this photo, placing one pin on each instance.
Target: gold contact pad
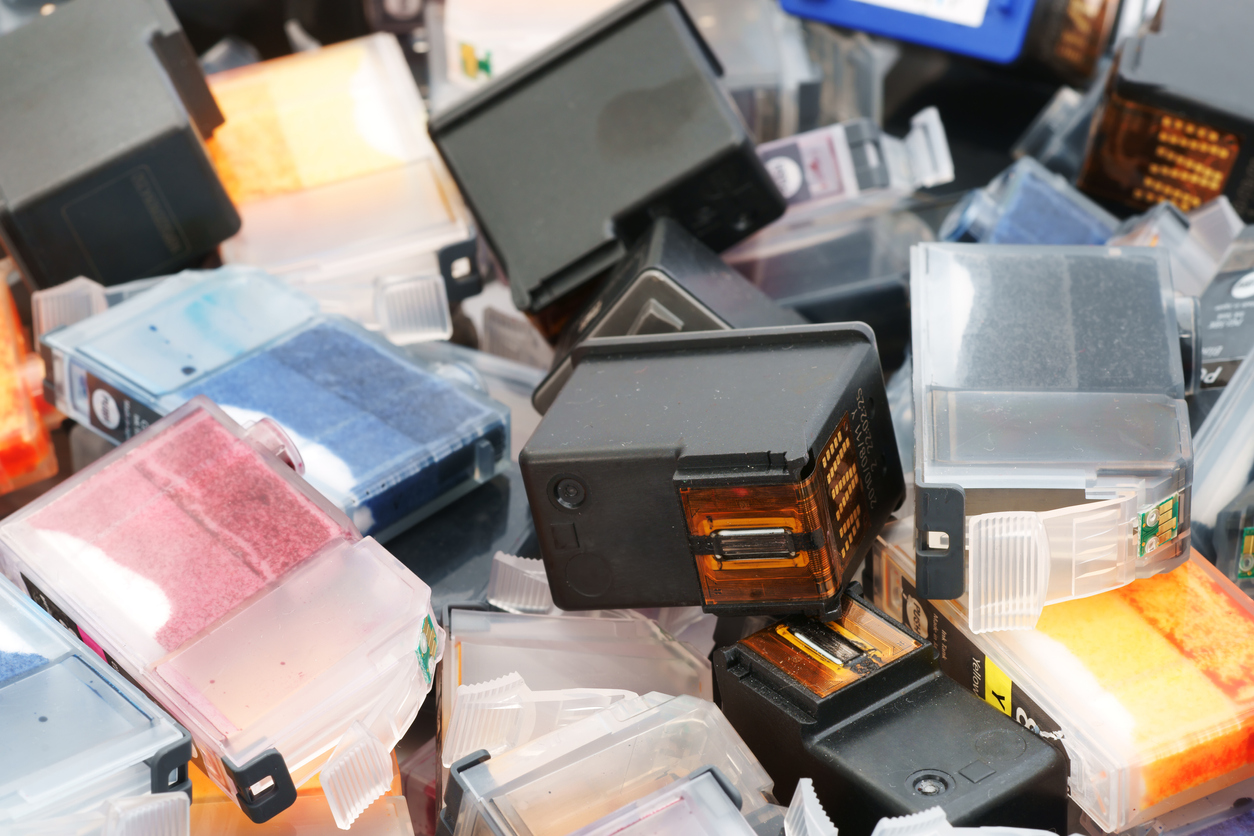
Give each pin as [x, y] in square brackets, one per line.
[1149, 156]
[831, 500]
[881, 641]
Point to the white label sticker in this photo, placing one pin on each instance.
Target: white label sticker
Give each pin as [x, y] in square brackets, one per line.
[961, 12]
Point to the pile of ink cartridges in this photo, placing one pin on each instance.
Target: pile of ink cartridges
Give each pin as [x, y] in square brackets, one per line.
[626, 417]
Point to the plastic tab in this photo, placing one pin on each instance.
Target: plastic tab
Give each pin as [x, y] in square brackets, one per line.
[806, 816]
[166, 814]
[358, 772]
[519, 584]
[504, 713]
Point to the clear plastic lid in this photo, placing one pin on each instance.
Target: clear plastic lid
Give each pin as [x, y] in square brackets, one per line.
[699, 805]
[571, 777]
[503, 714]
[243, 601]
[384, 437]
[1048, 387]
[519, 585]
[1151, 685]
[1028, 204]
[26, 453]
[1196, 242]
[617, 650]
[81, 745]
[340, 191]
[766, 66]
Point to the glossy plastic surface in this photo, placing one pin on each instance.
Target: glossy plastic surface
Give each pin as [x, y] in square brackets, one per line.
[260, 625]
[382, 436]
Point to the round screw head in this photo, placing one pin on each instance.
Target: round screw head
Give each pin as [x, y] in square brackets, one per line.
[570, 493]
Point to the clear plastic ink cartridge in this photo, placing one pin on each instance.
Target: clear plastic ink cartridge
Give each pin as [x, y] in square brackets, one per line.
[384, 438]
[766, 67]
[519, 584]
[483, 39]
[567, 159]
[84, 751]
[26, 454]
[615, 650]
[213, 814]
[854, 167]
[1053, 457]
[1223, 499]
[1196, 242]
[105, 173]
[1062, 37]
[741, 471]
[1148, 689]
[503, 714]
[339, 187]
[574, 776]
[670, 283]
[1171, 127]
[242, 601]
[858, 705]
[835, 269]
[703, 804]
[1058, 137]
[1028, 204]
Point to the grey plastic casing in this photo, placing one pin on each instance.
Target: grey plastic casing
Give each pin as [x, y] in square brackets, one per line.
[670, 283]
[569, 157]
[103, 168]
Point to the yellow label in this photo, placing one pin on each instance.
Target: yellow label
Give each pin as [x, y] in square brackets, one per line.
[996, 687]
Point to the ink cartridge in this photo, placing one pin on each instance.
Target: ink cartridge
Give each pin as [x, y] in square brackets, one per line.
[242, 601]
[568, 159]
[575, 775]
[670, 283]
[742, 471]
[1053, 456]
[84, 750]
[26, 454]
[1028, 204]
[341, 192]
[1171, 127]
[384, 437]
[103, 168]
[1079, 681]
[859, 705]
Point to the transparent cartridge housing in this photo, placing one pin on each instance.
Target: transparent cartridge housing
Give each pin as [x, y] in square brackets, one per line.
[610, 650]
[81, 746]
[26, 453]
[1196, 242]
[383, 436]
[1149, 688]
[242, 601]
[1028, 204]
[1053, 454]
[339, 188]
[699, 805]
[571, 777]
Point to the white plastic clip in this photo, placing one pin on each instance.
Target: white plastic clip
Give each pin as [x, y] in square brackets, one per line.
[162, 814]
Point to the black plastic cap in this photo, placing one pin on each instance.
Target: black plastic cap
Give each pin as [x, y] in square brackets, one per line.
[271, 801]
